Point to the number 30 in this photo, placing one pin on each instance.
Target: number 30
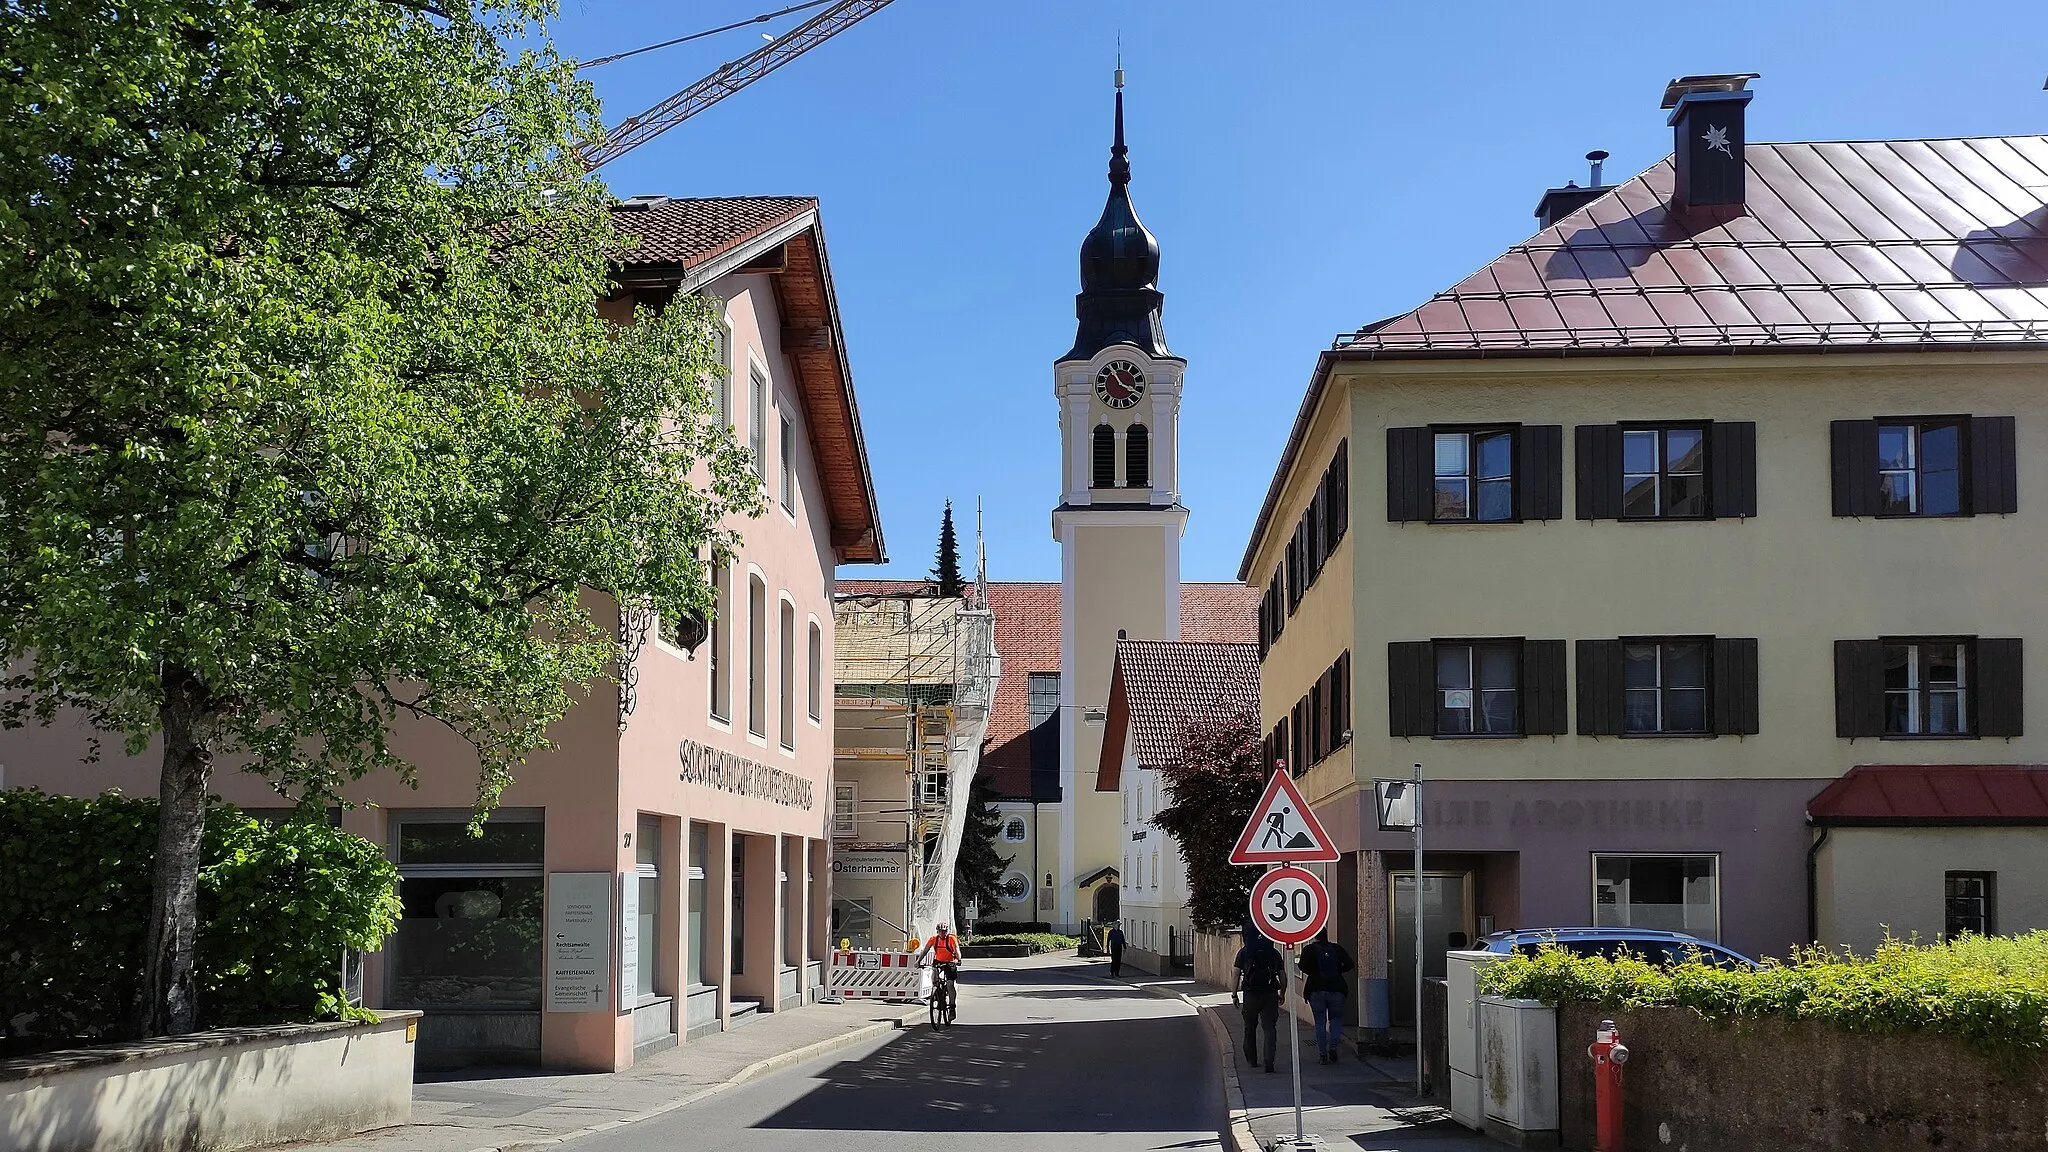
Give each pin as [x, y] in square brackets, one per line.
[1298, 902]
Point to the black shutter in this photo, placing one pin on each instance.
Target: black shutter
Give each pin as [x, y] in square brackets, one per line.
[1854, 465]
[1597, 471]
[1410, 469]
[1105, 457]
[1734, 703]
[1137, 457]
[1859, 686]
[1279, 611]
[1326, 739]
[1994, 466]
[1343, 705]
[1411, 685]
[1280, 752]
[1540, 487]
[1543, 688]
[1301, 736]
[1312, 526]
[2000, 683]
[1340, 493]
[1732, 456]
[1600, 695]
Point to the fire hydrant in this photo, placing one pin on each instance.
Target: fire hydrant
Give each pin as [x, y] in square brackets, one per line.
[1609, 1054]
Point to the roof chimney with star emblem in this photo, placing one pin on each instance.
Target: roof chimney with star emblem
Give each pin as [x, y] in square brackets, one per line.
[1707, 139]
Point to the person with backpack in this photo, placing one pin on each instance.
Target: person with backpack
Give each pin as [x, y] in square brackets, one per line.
[1261, 982]
[1324, 965]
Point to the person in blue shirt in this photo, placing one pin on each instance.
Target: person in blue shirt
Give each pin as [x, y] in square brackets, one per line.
[1116, 948]
[1325, 967]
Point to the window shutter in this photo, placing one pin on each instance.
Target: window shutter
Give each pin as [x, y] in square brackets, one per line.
[1540, 486]
[1105, 457]
[1339, 509]
[1543, 690]
[1600, 695]
[1597, 471]
[1137, 457]
[1731, 453]
[1734, 703]
[1410, 472]
[1854, 466]
[1411, 682]
[1342, 705]
[1312, 529]
[1279, 613]
[1300, 762]
[2000, 682]
[1325, 739]
[1994, 466]
[1859, 686]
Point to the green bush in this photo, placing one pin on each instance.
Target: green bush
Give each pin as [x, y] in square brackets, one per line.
[1990, 991]
[277, 905]
[1036, 941]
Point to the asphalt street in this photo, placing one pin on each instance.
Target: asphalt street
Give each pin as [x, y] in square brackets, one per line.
[1041, 1058]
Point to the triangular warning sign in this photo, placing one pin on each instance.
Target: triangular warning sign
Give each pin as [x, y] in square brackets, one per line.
[1283, 830]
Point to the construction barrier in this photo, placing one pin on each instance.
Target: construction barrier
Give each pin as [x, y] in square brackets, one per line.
[870, 975]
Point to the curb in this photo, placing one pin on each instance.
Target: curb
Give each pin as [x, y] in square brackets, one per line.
[754, 1071]
[1238, 1122]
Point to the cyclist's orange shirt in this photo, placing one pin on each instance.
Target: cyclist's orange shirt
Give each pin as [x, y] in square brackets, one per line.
[946, 949]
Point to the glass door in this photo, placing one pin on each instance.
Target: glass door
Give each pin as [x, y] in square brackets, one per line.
[1446, 908]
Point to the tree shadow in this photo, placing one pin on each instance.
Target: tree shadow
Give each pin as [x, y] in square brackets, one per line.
[2013, 255]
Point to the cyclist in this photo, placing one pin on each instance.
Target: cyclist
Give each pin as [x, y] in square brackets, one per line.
[944, 950]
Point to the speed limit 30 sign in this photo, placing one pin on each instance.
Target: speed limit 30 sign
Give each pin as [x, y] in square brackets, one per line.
[1290, 905]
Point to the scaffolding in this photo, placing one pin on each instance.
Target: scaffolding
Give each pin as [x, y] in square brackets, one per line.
[914, 676]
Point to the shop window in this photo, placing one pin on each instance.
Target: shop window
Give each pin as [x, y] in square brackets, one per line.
[470, 929]
[1669, 893]
[1969, 904]
[699, 897]
[647, 885]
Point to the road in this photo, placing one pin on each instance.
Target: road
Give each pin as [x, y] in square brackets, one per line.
[1042, 1058]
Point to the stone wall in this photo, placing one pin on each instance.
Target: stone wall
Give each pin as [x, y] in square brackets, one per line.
[1704, 1086]
[1213, 955]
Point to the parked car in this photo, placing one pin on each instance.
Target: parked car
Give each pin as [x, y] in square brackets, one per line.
[1649, 944]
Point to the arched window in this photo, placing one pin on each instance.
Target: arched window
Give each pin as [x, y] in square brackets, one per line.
[1137, 457]
[1105, 456]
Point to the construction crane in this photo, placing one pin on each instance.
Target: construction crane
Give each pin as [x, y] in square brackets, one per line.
[730, 78]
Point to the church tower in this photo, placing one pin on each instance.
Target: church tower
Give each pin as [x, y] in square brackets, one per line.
[1119, 520]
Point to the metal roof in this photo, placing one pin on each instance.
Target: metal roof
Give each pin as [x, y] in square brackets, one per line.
[1879, 794]
[1843, 244]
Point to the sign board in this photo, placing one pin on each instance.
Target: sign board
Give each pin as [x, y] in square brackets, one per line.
[1399, 803]
[869, 865]
[629, 942]
[579, 941]
[1283, 830]
[1290, 905]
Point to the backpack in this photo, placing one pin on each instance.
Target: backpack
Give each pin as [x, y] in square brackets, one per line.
[1264, 971]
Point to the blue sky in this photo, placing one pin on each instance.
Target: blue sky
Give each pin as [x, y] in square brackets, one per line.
[1308, 167]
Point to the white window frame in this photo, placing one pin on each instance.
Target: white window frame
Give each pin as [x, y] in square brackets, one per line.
[1713, 858]
[644, 869]
[1910, 472]
[1915, 690]
[845, 809]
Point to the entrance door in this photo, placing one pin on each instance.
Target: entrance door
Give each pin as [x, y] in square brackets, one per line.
[1446, 908]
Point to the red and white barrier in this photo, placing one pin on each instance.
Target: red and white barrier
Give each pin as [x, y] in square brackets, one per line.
[871, 975]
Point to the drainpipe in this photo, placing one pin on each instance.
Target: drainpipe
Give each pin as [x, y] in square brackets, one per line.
[1813, 885]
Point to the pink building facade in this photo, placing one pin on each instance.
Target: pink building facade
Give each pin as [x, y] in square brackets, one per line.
[664, 870]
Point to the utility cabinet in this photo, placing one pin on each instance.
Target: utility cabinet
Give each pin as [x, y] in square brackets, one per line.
[1461, 1016]
[1518, 1071]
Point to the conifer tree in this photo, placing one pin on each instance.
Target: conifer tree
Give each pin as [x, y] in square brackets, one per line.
[946, 574]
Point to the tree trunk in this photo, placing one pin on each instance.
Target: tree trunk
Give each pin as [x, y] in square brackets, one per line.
[166, 1005]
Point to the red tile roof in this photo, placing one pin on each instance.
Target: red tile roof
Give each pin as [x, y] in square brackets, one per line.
[1866, 242]
[690, 231]
[1027, 624]
[1160, 687]
[1934, 794]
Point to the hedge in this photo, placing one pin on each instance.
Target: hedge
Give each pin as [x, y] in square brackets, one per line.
[277, 906]
[1990, 991]
[1036, 941]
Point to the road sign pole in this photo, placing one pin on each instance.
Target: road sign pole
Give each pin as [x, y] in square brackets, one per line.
[1294, 1052]
[1416, 892]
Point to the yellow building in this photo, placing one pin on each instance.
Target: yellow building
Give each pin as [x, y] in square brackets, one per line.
[1644, 533]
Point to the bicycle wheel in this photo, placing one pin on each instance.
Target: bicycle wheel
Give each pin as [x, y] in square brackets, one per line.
[938, 1006]
[952, 1002]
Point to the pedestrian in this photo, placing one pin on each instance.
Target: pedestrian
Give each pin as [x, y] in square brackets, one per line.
[1116, 948]
[1324, 965]
[1260, 982]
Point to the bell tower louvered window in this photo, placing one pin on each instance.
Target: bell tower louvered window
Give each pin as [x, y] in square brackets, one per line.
[1137, 457]
[1105, 457]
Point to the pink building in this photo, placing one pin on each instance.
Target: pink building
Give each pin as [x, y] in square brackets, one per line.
[664, 870]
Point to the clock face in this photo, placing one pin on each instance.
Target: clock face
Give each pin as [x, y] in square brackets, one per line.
[1120, 384]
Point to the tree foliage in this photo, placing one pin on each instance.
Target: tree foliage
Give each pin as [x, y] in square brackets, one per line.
[308, 420]
[978, 869]
[1211, 792]
[946, 572]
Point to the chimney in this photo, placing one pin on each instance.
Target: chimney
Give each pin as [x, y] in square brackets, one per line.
[1706, 146]
[1558, 203]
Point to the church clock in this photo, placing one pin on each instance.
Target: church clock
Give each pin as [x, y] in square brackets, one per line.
[1120, 384]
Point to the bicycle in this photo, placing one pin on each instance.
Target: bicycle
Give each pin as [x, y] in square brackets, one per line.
[945, 997]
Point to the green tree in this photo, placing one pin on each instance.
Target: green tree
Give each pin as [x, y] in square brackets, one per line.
[308, 421]
[978, 869]
[1211, 792]
[946, 573]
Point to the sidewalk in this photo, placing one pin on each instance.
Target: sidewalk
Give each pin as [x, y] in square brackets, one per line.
[513, 1110]
[1354, 1105]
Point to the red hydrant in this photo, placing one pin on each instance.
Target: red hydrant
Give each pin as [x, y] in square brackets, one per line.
[1609, 1054]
